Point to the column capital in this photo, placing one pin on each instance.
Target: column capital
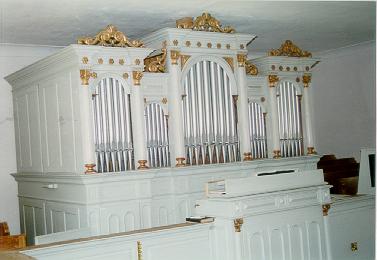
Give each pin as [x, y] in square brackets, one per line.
[272, 79]
[85, 75]
[137, 75]
[277, 154]
[174, 56]
[306, 79]
[311, 151]
[241, 59]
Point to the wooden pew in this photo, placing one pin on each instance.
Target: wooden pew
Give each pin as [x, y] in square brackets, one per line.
[8, 242]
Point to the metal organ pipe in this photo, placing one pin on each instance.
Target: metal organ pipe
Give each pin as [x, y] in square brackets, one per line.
[290, 123]
[112, 127]
[209, 121]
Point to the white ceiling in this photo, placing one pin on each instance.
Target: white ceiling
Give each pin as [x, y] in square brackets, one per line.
[313, 26]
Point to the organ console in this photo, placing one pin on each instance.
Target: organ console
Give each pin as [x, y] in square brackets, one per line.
[117, 135]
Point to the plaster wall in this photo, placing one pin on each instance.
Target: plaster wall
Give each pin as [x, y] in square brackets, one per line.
[344, 100]
[12, 58]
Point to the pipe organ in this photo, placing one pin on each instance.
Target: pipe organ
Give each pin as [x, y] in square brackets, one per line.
[116, 135]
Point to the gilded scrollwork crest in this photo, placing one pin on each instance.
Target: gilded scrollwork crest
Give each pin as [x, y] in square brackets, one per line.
[205, 22]
[110, 37]
[289, 49]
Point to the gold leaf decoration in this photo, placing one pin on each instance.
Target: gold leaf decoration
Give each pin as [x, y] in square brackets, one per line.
[251, 69]
[210, 24]
[110, 37]
[289, 49]
[156, 63]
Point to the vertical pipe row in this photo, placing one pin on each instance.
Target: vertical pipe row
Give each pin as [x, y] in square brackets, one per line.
[113, 137]
[257, 131]
[156, 136]
[209, 115]
[290, 123]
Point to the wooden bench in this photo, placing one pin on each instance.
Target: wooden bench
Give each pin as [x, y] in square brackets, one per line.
[8, 242]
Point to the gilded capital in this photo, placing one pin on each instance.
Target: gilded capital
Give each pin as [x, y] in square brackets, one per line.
[272, 79]
[174, 56]
[137, 75]
[85, 75]
[238, 222]
[241, 58]
[306, 79]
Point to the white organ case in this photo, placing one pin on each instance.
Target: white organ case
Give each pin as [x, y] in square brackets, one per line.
[116, 135]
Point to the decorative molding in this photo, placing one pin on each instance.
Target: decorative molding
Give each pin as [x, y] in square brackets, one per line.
[325, 209]
[188, 43]
[139, 250]
[110, 37]
[247, 156]
[180, 162]
[184, 59]
[137, 75]
[90, 168]
[156, 63]
[227, 46]
[199, 44]
[175, 42]
[85, 75]
[142, 165]
[100, 61]
[111, 61]
[218, 45]
[306, 79]
[209, 45]
[137, 61]
[229, 60]
[311, 151]
[251, 69]
[354, 247]
[164, 100]
[174, 56]
[205, 22]
[289, 49]
[121, 61]
[272, 79]
[241, 58]
[125, 75]
[238, 222]
[85, 60]
[276, 154]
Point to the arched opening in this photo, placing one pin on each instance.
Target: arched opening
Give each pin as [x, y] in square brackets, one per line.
[112, 127]
[290, 120]
[210, 115]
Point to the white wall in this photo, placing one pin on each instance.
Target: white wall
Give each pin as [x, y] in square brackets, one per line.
[12, 58]
[344, 100]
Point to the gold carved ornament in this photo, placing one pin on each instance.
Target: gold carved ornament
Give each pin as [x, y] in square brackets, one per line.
[238, 222]
[229, 60]
[174, 56]
[180, 162]
[156, 63]
[184, 59]
[142, 163]
[272, 79]
[89, 168]
[247, 156]
[311, 151]
[276, 154]
[251, 69]
[139, 250]
[325, 209]
[241, 58]
[85, 75]
[137, 75]
[205, 22]
[306, 79]
[110, 37]
[289, 49]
